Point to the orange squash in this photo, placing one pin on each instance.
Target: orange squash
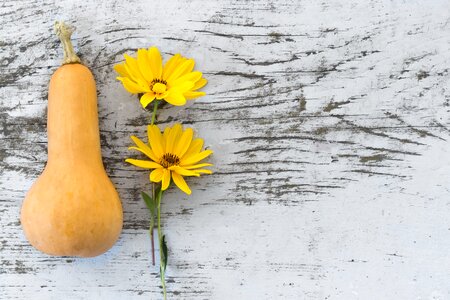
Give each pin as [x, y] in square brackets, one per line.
[73, 208]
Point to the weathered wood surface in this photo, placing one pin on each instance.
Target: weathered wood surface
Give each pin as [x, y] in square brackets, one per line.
[330, 125]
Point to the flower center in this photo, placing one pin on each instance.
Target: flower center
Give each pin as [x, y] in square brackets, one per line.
[169, 160]
[159, 88]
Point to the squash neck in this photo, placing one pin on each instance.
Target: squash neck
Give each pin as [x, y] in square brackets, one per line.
[72, 120]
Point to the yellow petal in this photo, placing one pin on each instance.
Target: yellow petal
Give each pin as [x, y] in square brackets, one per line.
[197, 166]
[137, 149]
[143, 163]
[120, 68]
[181, 69]
[172, 137]
[183, 87]
[192, 95]
[165, 179]
[182, 171]
[144, 148]
[179, 181]
[155, 140]
[130, 86]
[139, 80]
[144, 65]
[132, 68]
[155, 62]
[194, 148]
[171, 65]
[146, 99]
[193, 76]
[183, 143]
[156, 175]
[199, 84]
[165, 135]
[175, 98]
[203, 171]
[195, 158]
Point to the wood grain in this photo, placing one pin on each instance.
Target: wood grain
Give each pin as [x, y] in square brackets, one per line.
[330, 125]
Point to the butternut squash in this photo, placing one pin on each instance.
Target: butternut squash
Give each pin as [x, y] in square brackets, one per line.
[73, 208]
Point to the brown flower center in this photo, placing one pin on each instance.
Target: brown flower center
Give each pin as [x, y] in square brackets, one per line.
[169, 160]
[159, 87]
[155, 81]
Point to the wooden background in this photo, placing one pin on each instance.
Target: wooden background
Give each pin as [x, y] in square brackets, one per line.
[330, 123]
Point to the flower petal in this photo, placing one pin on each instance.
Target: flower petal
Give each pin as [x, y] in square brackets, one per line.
[193, 76]
[199, 84]
[181, 69]
[181, 184]
[155, 140]
[144, 65]
[183, 87]
[131, 66]
[146, 164]
[172, 137]
[171, 65]
[183, 143]
[192, 95]
[146, 99]
[156, 175]
[194, 148]
[120, 68]
[130, 86]
[197, 166]
[182, 171]
[203, 171]
[165, 179]
[165, 135]
[155, 62]
[144, 148]
[175, 98]
[195, 158]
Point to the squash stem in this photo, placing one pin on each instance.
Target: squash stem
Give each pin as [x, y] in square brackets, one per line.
[64, 33]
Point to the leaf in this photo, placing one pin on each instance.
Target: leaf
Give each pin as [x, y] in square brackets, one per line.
[149, 202]
[164, 250]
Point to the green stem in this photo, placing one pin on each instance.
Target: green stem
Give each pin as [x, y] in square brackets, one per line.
[162, 259]
[155, 108]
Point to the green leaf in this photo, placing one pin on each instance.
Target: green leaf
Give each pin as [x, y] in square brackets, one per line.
[149, 202]
[164, 250]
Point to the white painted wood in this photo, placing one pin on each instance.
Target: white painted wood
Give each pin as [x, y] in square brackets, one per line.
[330, 125]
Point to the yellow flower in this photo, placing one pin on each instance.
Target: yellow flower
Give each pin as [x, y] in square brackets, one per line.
[173, 154]
[174, 82]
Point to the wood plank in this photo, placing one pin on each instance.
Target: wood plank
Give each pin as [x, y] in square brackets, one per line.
[330, 125]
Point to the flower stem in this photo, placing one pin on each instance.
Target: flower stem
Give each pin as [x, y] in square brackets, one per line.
[152, 238]
[162, 255]
[162, 258]
[155, 108]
